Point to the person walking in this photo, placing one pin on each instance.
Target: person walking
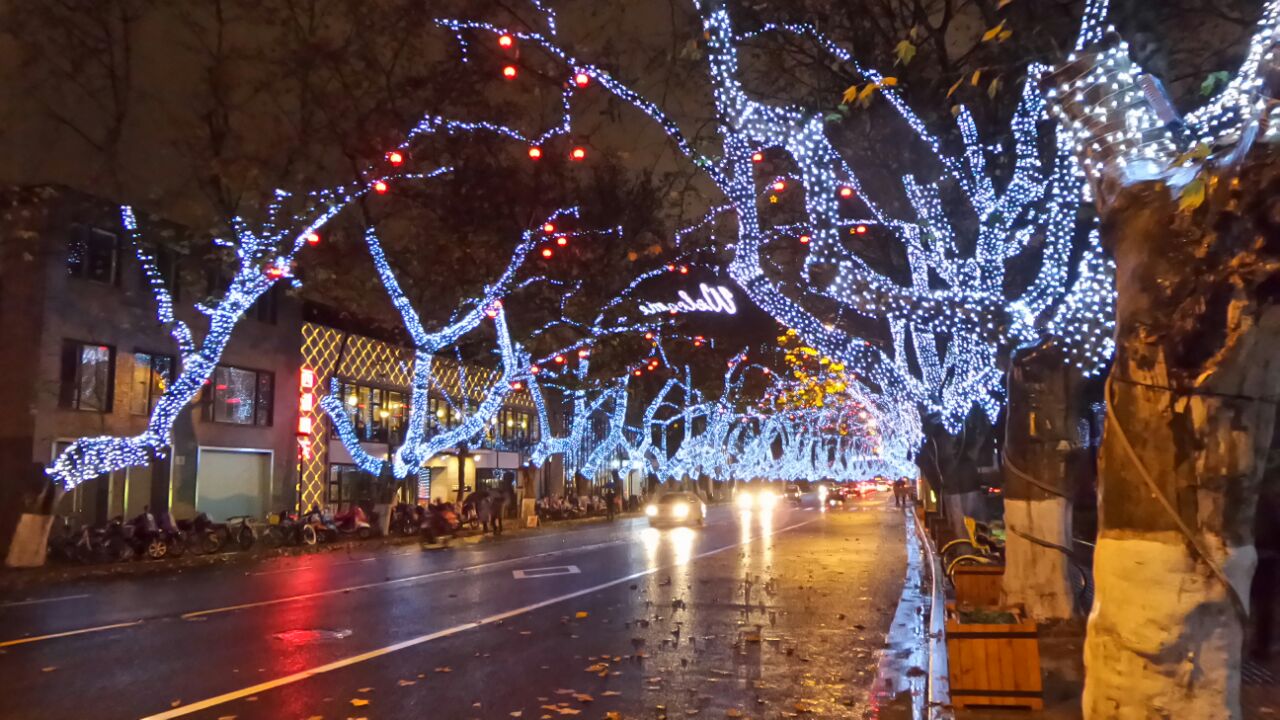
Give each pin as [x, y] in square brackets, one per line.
[484, 512]
[497, 507]
[900, 492]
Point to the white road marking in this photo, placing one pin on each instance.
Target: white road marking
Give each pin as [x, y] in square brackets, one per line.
[82, 631]
[43, 600]
[411, 642]
[534, 573]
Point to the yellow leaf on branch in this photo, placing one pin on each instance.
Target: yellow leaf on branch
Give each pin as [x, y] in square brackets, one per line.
[993, 33]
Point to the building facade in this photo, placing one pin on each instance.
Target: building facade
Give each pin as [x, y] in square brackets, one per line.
[83, 355]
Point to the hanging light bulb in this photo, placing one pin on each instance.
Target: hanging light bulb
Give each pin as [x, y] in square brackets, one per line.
[395, 157]
[549, 228]
[380, 187]
[562, 241]
[535, 153]
[312, 238]
[846, 192]
[578, 154]
[757, 157]
[780, 185]
[546, 253]
[510, 72]
[506, 41]
[582, 79]
[804, 239]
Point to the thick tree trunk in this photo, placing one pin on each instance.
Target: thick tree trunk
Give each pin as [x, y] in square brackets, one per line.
[1040, 430]
[1192, 402]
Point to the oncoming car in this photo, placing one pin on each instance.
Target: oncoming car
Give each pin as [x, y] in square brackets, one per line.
[764, 498]
[676, 508]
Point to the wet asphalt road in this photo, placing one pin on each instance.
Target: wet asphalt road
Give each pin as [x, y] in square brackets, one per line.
[770, 615]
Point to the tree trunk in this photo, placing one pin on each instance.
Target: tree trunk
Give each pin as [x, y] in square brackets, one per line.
[1191, 403]
[1040, 428]
[463, 452]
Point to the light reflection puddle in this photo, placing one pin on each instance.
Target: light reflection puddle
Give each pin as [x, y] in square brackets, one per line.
[302, 637]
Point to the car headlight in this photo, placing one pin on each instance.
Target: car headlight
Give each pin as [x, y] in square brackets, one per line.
[680, 510]
[744, 501]
[651, 510]
[767, 499]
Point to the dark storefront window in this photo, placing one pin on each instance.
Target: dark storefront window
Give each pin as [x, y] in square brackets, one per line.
[93, 254]
[241, 397]
[443, 414]
[87, 373]
[378, 415]
[151, 376]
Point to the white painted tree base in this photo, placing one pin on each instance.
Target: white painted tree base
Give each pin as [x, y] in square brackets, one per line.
[1036, 577]
[1164, 640]
[30, 544]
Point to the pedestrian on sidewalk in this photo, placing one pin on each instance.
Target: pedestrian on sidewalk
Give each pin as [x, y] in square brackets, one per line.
[497, 507]
[484, 512]
[900, 492]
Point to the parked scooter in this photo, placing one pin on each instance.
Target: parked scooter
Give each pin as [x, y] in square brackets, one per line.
[439, 522]
[354, 522]
[406, 518]
[321, 523]
[240, 532]
[202, 534]
[287, 529]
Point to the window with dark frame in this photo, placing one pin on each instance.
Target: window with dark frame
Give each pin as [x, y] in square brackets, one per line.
[87, 376]
[167, 266]
[378, 415]
[152, 373]
[239, 396]
[94, 254]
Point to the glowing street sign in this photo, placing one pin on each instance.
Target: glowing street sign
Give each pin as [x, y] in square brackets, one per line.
[718, 299]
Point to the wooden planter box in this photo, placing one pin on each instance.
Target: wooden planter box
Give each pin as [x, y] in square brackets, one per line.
[978, 586]
[994, 665]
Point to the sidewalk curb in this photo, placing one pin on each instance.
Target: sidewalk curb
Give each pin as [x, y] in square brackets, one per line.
[938, 695]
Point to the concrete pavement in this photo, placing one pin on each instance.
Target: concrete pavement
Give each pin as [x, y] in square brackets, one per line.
[754, 614]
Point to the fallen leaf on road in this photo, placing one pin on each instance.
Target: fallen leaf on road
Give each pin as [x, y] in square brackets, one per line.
[580, 614]
[175, 703]
[365, 690]
[733, 712]
[444, 669]
[403, 683]
[583, 698]
[613, 715]
[562, 691]
[227, 717]
[516, 713]
[51, 668]
[359, 702]
[610, 693]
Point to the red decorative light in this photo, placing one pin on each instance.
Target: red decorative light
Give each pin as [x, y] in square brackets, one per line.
[648, 336]
[780, 185]
[671, 267]
[307, 402]
[767, 371]
[380, 187]
[546, 253]
[636, 372]
[562, 241]
[535, 153]
[275, 272]
[304, 448]
[517, 385]
[684, 269]
[304, 424]
[584, 353]
[312, 238]
[861, 229]
[493, 309]
[506, 41]
[559, 359]
[308, 379]
[535, 369]
[578, 154]
[510, 72]
[549, 228]
[804, 239]
[582, 79]
[395, 157]
[846, 192]
[757, 157]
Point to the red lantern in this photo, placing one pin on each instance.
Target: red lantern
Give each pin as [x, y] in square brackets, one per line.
[582, 79]
[275, 272]
[780, 186]
[804, 239]
[562, 241]
[380, 187]
[846, 192]
[757, 157]
[861, 229]
[546, 253]
[578, 154]
[549, 228]
[559, 359]
[517, 385]
[312, 238]
[583, 354]
[535, 369]
[535, 153]
[648, 336]
[684, 269]
[506, 41]
[510, 72]
[395, 157]
[636, 373]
